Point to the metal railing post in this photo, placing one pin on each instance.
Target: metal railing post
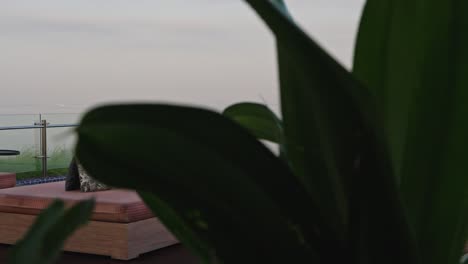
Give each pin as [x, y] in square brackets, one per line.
[44, 147]
[42, 124]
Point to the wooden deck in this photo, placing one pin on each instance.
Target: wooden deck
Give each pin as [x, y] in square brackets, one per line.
[171, 255]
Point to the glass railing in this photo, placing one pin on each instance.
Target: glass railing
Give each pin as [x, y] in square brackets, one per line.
[45, 143]
[60, 140]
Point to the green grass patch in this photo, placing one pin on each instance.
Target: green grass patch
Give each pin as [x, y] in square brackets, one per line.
[27, 166]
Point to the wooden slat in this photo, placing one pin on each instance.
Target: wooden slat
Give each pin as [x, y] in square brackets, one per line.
[7, 180]
[146, 235]
[118, 240]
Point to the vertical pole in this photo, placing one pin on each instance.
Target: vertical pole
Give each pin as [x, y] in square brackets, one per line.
[44, 147]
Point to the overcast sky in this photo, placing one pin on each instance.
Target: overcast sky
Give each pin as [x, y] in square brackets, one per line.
[66, 56]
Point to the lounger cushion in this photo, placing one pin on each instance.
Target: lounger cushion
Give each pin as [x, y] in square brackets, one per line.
[121, 206]
[88, 183]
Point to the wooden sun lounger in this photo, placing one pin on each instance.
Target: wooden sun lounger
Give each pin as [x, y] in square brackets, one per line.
[121, 225]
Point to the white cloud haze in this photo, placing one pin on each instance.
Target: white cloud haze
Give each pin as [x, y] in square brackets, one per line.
[65, 56]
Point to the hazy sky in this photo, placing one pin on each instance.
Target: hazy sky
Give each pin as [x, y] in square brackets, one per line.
[67, 55]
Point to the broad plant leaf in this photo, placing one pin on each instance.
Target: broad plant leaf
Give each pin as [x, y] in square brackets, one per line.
[281, 5]
[311, 107]
[344, 160]
[387, 59]
[258, 119]
[417, 65]
[213, 183]
[43, 242]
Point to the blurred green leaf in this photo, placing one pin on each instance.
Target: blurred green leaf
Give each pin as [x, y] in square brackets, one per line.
[44, 241]
[282, 6]
[387, 60]
[412, 54]
[230, 198]
[258, 119]
[434, 168]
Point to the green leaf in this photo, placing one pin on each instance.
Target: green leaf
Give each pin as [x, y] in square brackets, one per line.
[44, 241]
[387, 58]
[74, 218]
[258, 119]
[30, 247]
[417, 65]
[215, 185]
[434, 170]
[345, 161]
[301, 119]
[282, 6]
